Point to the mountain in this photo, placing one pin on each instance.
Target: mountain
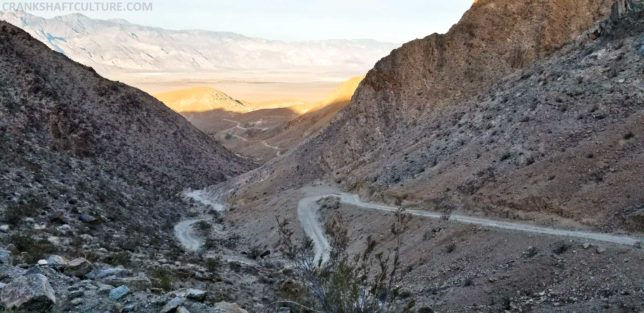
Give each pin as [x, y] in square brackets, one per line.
[201, 99]
[103, 160]
[533, 121]
[116, 47]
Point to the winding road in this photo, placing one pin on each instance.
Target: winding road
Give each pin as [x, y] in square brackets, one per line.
[238, 125]
[184, 230]
[185, 233]
[308, 215]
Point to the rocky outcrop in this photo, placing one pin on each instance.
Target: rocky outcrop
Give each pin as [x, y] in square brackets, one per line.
[494, 38]
[30, 293]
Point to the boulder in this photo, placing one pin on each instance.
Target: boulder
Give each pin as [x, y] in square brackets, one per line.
[5, 257]
[78, 267]
[119, 292]
[173, 304]
[30, 293]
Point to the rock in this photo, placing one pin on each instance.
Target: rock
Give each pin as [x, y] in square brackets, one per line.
[182, 310]
[4, 228]
[76, 294]
[42, 262]
[76, 301]
[78, 267]
[56, 261]
[119, 292]
[191, 293]
[117, 308]
[639, 45]
[64, 229]
[105, 271]
[140, 282]
[425, 310]
[104, 289]
[173, 304]
[86, 218]
[2, 285]
[54, 240]
[5, 257]
[30, 293]
[601, 250]
[586, 245]
[226, 307]
[129, 308]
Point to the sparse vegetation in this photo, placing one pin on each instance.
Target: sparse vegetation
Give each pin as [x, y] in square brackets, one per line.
[119, 258]
[15, 213]
[450, 247]
[365, 282]
[32, 249]
[213, 264]
[162, 279]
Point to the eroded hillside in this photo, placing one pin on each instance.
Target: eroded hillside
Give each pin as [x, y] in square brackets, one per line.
[432, 125]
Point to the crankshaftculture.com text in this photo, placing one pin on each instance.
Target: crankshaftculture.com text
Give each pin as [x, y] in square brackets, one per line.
[76, 6]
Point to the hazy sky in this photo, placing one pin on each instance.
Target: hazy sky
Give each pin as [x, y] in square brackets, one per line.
[386, 20]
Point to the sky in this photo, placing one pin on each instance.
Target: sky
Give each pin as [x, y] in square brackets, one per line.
[385, 20]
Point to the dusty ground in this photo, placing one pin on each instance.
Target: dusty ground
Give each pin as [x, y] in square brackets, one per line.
[460, 268]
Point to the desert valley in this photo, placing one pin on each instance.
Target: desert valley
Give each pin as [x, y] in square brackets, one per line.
[497, 167]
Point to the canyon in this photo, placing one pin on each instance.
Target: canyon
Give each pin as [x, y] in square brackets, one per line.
[510, 145]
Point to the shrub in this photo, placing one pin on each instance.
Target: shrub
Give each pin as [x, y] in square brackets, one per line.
[119, 258]
[16, 212]
[365, 282]
[450, 247]
[213, 264]
[162, 279]
[33, 249]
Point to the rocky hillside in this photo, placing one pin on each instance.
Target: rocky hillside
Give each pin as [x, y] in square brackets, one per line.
[91, 167]
[524, 109]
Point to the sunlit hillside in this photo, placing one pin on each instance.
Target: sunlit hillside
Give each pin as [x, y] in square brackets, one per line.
[201, 99]
[259, 130]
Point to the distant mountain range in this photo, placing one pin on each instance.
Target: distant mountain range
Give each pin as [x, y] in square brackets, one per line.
[117, 46]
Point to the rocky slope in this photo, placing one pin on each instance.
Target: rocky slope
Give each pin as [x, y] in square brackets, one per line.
[494, 117]
[91, 170]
